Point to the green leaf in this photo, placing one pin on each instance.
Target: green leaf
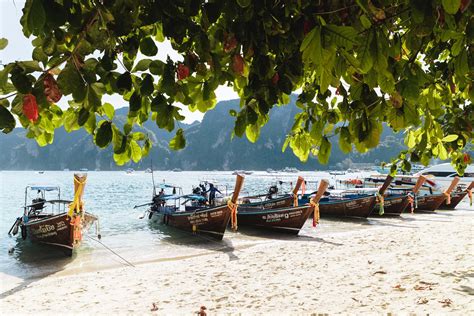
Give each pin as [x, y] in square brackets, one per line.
[124, 81]
[244, 3]
[252, 132]
[146, 87]
[7, 121]
[343, 36]
[103, 137]
[178, 142]
[451, 6]
[135, 101]
[135, 151]
[324, 151]
[142, 65]
[3, 43]
[450, 138]
[109, 110]
[83, 116]
[345, 143]
[146, 148]
[36, 17]
[148, 46]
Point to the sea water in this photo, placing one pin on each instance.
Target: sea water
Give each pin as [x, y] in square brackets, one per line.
[126, 238]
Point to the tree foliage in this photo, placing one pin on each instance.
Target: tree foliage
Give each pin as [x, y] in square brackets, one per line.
[357, 64]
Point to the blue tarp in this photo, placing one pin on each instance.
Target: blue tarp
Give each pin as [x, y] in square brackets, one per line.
[194, 197]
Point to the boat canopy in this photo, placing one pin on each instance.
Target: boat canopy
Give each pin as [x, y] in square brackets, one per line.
[194, 197]
[166, 186]
[43, 187]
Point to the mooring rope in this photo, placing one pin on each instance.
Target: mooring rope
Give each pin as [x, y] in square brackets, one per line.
[113, 252]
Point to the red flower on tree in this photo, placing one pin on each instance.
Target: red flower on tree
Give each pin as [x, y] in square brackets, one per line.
[230, 42]
[30, 107]
[182, 71]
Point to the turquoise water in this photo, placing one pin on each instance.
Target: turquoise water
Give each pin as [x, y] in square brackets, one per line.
[111, 196]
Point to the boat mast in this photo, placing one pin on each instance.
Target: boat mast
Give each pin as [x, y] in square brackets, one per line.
[152, 177]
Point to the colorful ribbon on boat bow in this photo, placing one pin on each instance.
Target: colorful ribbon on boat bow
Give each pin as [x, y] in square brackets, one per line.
[448, 197]
[411, 200]
[295, 200]
[77, 204]
[380, 200]
[233, 214]
[469, 194]
[316, 215]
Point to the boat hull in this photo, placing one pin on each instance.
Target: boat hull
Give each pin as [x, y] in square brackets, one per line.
[393, 206]
[354, 207]
[57, 230]
[456, 198]
[208, 222]
[281, 202]
[430, 202]
[286, 220]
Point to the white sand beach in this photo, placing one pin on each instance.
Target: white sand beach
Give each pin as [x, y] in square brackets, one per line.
[420, 263]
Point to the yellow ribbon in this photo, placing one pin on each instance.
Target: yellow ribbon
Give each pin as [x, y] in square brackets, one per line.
[77, 203]
[316, 215]
[380, 199]
[469, 194]
[233, 214]
[411, 200]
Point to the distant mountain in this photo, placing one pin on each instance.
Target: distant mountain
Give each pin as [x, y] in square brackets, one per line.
[209, 147]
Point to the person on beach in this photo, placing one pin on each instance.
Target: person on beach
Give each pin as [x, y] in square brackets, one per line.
[212, 194]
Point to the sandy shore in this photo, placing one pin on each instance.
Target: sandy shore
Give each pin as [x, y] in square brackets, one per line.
[421, 263]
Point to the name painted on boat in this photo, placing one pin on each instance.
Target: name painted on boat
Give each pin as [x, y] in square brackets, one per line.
[277, 217]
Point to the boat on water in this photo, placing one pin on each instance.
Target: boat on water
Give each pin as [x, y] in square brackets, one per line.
[129, 171]
[337, 172]
[236, 172]
[349, 202]
[210, 221]
[54, 222]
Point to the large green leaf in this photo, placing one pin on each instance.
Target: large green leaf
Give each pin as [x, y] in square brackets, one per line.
[148, 47]
[135, 151]
[103, 136]
[7, 121]
[3, 43]
[178, 142]
[451, 6]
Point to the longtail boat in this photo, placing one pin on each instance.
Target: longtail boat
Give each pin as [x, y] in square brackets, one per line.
[432, 202]
[349, 203]
[457, 197]
[397, 200]
[207, 220]
[55, 222]
[281, 214]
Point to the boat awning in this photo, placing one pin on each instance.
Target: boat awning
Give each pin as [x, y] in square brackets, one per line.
[194, 197]
[44, 187]
[166, 186]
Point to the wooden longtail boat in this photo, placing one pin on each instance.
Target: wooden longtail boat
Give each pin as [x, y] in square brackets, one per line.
[432, 202]
[208, 221]
[352, 205]
[40, 224]
[457, 197]
[281, 214]
[396, 203]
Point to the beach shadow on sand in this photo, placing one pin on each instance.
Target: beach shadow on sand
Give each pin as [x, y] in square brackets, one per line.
[35, 262]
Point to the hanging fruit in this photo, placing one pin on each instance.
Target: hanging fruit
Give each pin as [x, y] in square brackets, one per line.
[275, 78]
[30, 107]
[182, 71]
[238, 64]
[51, 89]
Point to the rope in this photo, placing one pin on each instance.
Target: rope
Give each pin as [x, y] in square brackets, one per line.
[380, 200]
[469, 194]
[113, 252]
[233, 214]
[411, 200]
[448, 198]
[316, 215]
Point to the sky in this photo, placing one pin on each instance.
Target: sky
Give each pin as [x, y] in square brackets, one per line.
[20, 48]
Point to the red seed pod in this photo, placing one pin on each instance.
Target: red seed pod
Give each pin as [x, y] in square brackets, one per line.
[230, 42]
[466, 158]
[275, 78]
[182, 71]
[307, 26]
[238, 64]
[51, 89]
[30, 107]
[464, 5]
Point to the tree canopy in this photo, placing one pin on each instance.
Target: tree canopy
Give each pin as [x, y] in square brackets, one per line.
[356, 65]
